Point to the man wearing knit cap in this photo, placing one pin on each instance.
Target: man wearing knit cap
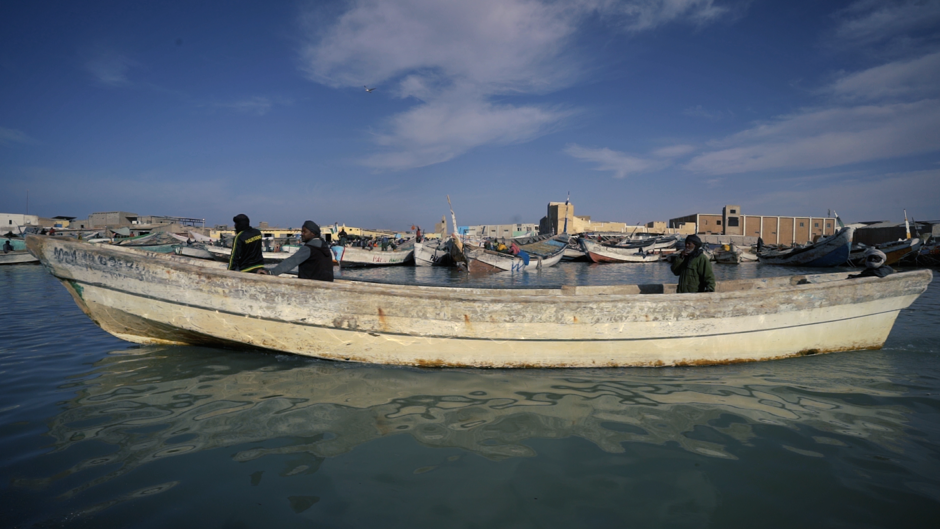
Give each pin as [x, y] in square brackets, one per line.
[693, 268]
[247, 247]
[875, 265]
[313, 260]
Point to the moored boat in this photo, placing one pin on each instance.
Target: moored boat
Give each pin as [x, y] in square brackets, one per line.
[600, 253]
[433, 253]
[828, 251]
[17, 257]
[894, 251]
[734, 254]
[530, 257]
[166, 299]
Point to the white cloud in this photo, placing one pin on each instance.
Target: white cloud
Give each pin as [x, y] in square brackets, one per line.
[10, 136]
[674, 151]
[912, 78]
[621, 164]
[455, 57]
[109, 67]
[876, 21]
[700, 112]
[827, 138]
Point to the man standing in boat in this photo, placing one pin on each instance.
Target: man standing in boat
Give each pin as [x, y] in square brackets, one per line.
[693, 268]
[247, 248]
[313, 260]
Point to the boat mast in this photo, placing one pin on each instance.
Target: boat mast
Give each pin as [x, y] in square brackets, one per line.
[907, 226]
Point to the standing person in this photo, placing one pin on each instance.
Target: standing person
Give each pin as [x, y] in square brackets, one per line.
[418, 234]
[342, 237]
[693, 268]
[313, 260]
[875, 265]
[247, 247]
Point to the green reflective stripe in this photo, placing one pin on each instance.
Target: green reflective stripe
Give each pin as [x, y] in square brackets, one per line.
[250, 268]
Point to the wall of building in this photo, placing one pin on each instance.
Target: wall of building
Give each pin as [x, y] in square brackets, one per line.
[9, 220]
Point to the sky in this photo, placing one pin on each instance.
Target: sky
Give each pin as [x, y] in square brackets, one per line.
[642, 110]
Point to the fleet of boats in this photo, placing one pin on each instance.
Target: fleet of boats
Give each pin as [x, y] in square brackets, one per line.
[163, 298]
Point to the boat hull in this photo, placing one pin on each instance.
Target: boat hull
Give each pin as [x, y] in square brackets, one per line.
[17, 257]
[609, 254]
[831, 251]
[353, 256]
[480, 260]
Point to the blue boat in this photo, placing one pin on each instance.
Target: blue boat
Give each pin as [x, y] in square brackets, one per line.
[829, 251]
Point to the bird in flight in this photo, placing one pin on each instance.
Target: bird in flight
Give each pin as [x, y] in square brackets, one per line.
[367, 88]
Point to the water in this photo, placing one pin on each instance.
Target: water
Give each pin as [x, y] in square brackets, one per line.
[96, 432]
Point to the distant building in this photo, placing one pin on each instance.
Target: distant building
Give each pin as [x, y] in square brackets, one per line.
[112, 218]
[499, 231]
[773, 229]
[11, 220]
[561, 219]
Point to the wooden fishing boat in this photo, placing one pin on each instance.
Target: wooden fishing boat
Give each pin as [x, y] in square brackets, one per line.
[353, 256]
[167, 299]
[16, 243]
[532, 257]
[17, 257]
[829, 251]
[733, 254]
[894, 251]
[433, 253]
[600, 253]
[197, 251]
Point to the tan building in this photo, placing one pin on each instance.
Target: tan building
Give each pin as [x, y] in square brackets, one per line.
[554, 222]
[772, 229]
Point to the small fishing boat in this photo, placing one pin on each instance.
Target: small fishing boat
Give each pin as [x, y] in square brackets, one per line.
[894, 251]
[354, 256]
[433, 252]
[600, 253]
[734, 254]
[16, 243]
[17, 257]
[152, 298]
[826, 252]
[197, 251]
[531, 257]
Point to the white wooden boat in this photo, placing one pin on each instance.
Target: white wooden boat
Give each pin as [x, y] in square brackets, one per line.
[167, 299]
[221, 253]
[534, 256]
[197, 251]
[613, 254]
[433, 253]
[17, 257]
[354, 256]
[733, 254]
[829, 251]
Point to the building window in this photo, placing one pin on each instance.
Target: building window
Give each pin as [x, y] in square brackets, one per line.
[801, 224]
[828, 224]
[732, 221]
[734, 212]
[718, 222]
[706, 223]
[815, 224]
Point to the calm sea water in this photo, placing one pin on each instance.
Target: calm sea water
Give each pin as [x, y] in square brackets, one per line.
[96, 432]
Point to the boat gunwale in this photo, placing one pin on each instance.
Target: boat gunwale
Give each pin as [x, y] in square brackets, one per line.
[569, 293]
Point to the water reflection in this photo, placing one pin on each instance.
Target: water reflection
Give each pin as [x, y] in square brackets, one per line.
[155, 403]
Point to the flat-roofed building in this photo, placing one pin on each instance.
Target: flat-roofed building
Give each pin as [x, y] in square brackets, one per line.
[11, 220]
[772, 229]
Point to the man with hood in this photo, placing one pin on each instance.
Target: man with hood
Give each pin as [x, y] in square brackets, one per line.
[313, 260]
[874, 264]
[693, 268]
[247, 247]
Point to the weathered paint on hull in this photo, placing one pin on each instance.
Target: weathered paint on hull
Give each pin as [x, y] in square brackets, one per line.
[165, 299]
[353, 256]
[831, 251]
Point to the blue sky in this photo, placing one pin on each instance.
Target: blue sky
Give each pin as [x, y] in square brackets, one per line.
[642, 109]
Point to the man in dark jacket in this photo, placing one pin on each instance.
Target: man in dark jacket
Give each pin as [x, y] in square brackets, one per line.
[247, 247]
[313, 260]
[874, 265]
[693, 268]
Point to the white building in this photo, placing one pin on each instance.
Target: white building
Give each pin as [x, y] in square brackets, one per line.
[10, 221]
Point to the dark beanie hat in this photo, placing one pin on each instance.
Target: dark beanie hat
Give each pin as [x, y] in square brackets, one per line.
[694, 239]
[241, 218]
[312, 226]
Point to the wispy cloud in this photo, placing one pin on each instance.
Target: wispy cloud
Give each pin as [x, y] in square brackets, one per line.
[917, 77]
[109, 67]
[871, 22]
[255, 106]
[700, 112]
[453, 58]
[11, 136]
[619, 163]
[674, 151]
[827, 138]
